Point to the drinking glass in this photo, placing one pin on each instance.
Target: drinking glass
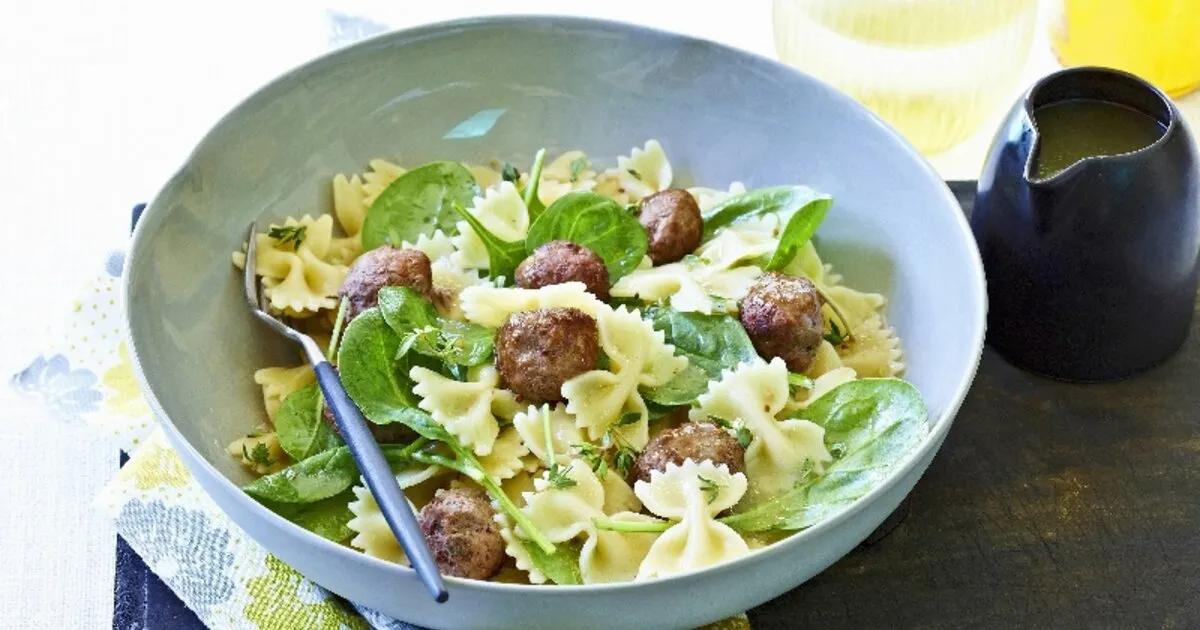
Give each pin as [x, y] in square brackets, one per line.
[1158, 40]
[934, 69]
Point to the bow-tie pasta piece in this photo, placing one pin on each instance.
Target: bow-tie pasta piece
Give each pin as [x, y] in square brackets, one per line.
[502, 211]
[565, 513]
[644, 171]
[278, 382]
[464, 408]
[692, 493]
[352, 197]
[564, 434]
[618, 495]
[378, 177]
[824, 384]
[486, 177]
[569, 172]
[707, 198]
[489, 306]
[712, 272]
[780, 451]
[874, 350]
[298, 278]
[449, 279]
[261, 453]
[371, 531]
[638, 355]
[507, 456]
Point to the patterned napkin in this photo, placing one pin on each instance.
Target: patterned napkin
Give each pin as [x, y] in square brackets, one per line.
[164, 515]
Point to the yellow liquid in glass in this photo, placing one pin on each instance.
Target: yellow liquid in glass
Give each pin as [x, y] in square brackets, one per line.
[933, 69]
[1158, 40]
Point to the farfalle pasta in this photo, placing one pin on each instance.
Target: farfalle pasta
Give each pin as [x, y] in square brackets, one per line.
[278, 382]
[567, 513]
[638, 357]
[781, 452]
[463, 408]
[691, 494]
[502, 211]
[598, 417]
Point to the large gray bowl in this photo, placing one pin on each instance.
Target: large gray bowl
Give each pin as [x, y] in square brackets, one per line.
[563, 83]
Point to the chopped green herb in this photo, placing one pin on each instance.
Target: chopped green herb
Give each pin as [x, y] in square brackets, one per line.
[555, 474]
[260, 454]
[577, 166]
[625, 459]
[798, 381]
[510, 173]
[629, 418]
[711, 489]
[559, 476]
[594, 456]
[288, 234]
[636, 175]
[835, 336]
[744, 437]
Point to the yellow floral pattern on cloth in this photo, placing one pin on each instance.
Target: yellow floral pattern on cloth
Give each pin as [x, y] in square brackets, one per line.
[276, 603]
[126, 399]
[157, 466]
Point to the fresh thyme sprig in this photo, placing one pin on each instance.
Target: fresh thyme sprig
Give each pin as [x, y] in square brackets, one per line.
[260, 454]
[577, 166]
[743, 435]
[710, 488]
[558, 476]
[510, 173]
[288, 234]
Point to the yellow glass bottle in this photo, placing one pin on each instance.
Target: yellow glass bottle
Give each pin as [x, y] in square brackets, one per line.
[934, 69]
[1158, 40]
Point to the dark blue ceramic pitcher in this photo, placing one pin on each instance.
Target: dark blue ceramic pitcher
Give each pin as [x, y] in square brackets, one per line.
[1091, 272]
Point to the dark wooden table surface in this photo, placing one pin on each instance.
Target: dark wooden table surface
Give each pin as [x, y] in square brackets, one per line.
[1050, 505]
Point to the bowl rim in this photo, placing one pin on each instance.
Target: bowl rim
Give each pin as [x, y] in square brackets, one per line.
[932, 441]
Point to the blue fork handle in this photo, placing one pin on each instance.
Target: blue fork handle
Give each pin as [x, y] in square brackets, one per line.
[378, 475]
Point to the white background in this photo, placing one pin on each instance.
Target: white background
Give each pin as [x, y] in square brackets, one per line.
[99, 102]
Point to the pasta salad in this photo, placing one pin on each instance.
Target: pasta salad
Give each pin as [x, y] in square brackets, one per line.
[579, 375]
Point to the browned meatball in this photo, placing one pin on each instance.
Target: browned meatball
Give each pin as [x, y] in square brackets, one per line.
[673, 224]
[696, 441]
[782, 315]
[460, 532]
[557, 262]
[538, 351]
[382, 267]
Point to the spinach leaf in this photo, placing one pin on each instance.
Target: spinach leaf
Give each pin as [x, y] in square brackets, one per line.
[319, 477]
[533, 203]
[711, 343]
[452, 342]
[425, 332]
[595, 222]
[560, 567]
[326, 518]
[301, 428]
[405, 310]
[782, 200]
[800, 228]
[463, 461]
[873, 423]
[367, 363]
[503, 256]
[418, 202]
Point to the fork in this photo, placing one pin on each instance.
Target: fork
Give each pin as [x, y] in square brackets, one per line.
[366, 452]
